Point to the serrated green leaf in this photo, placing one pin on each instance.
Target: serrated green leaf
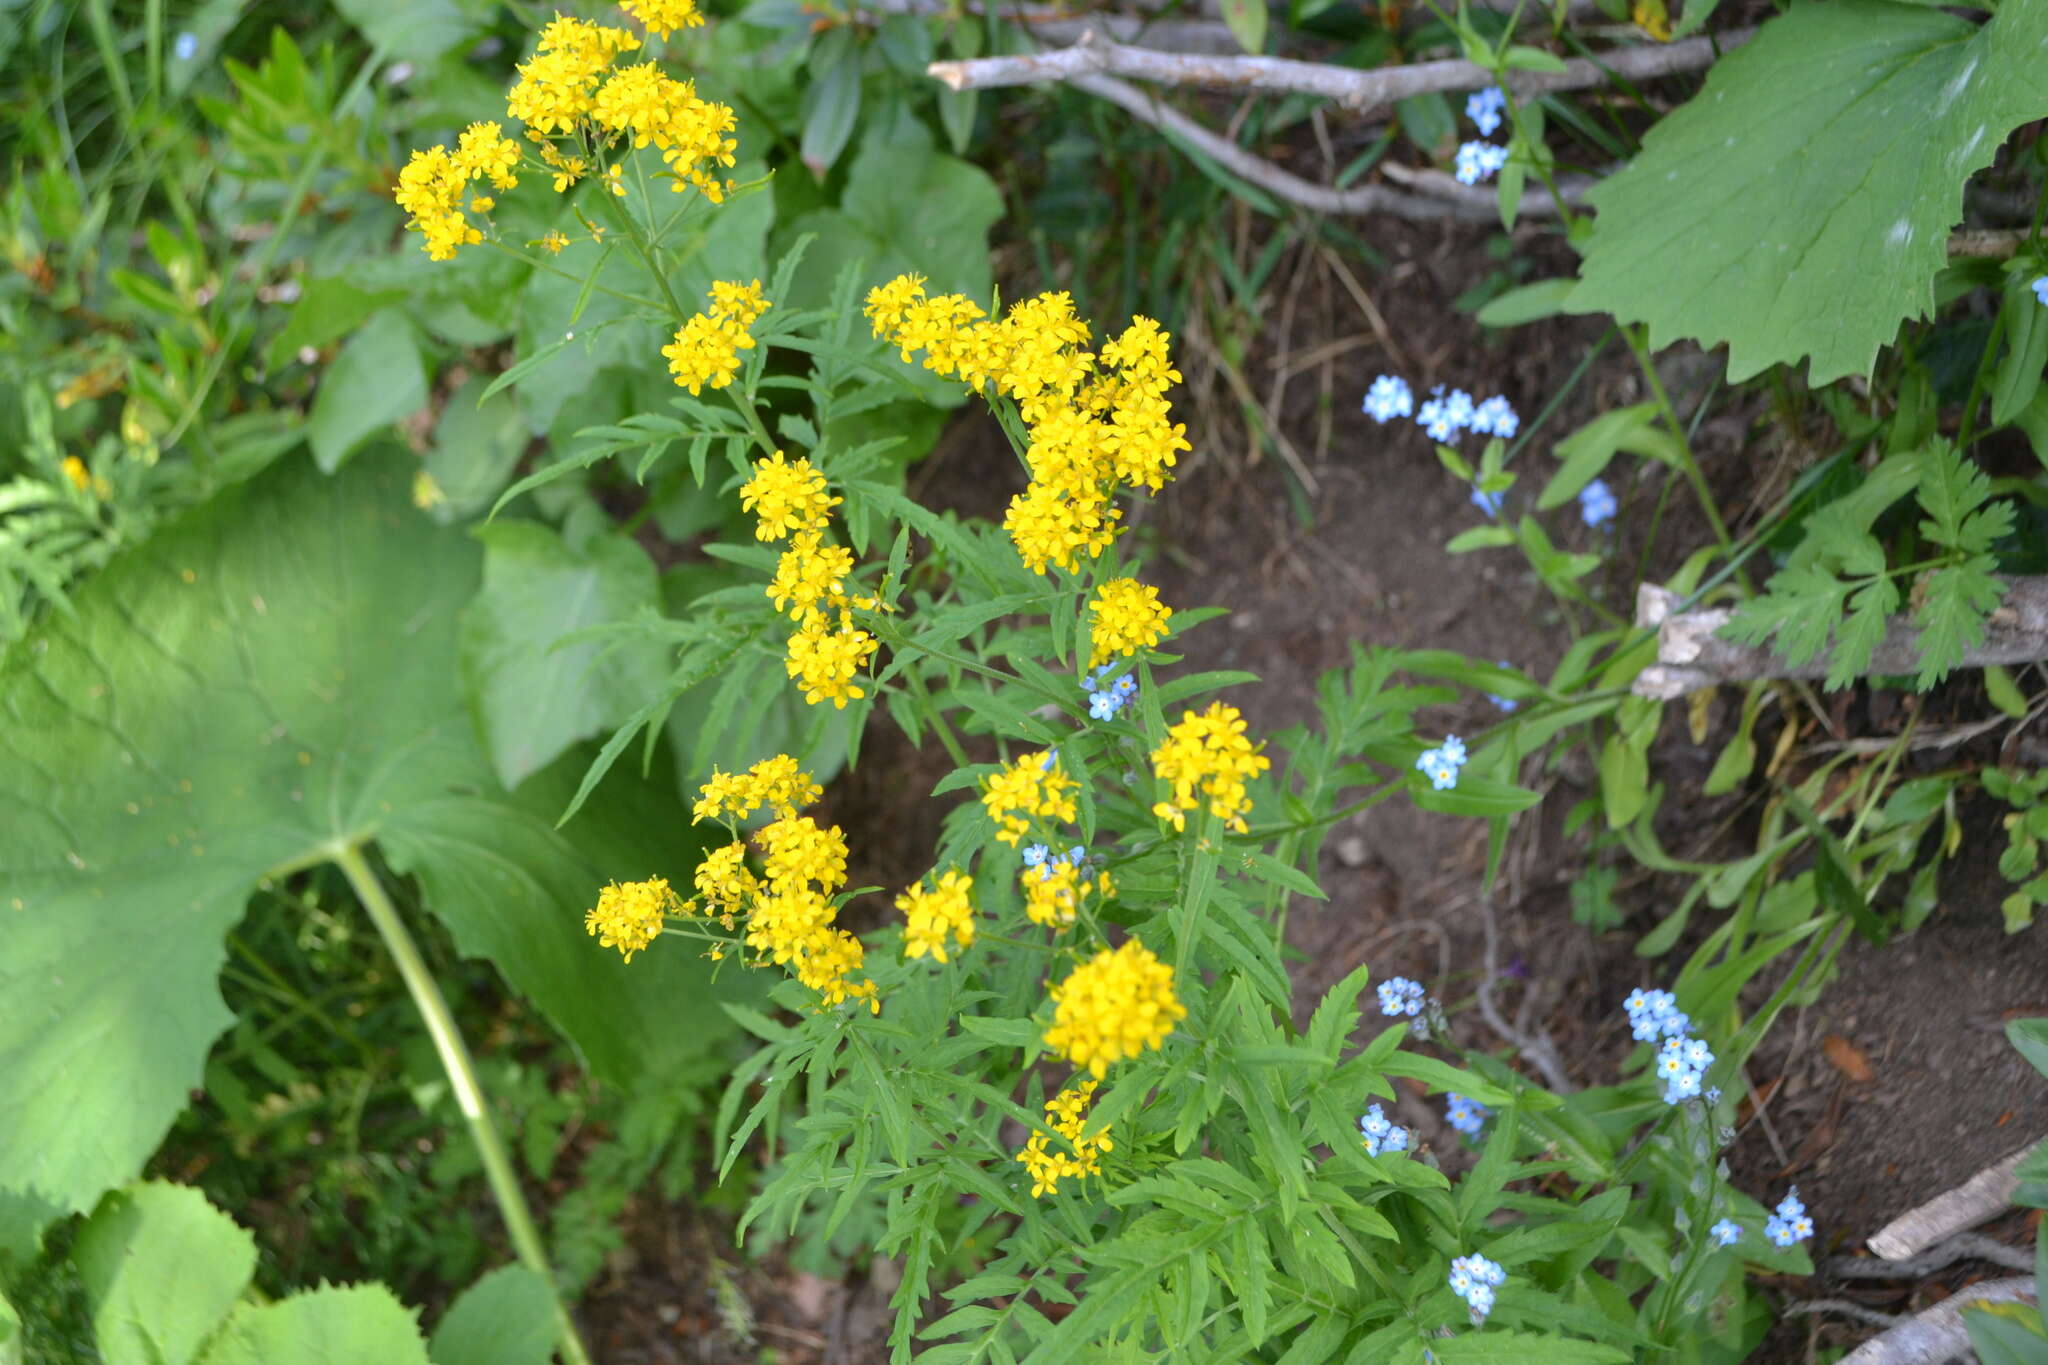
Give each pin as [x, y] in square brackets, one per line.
[161, 1268]
[505, 1318]
[1954, 603]
[1800, 203]
[1800, 606]
[1952, 490]
[1862, 631]
[325, 1326]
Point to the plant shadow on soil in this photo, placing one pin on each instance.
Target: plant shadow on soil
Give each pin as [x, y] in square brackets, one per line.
[1943, 1094]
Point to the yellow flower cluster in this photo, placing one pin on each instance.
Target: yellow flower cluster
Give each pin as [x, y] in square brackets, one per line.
[663, 17]
[706, 350]
[1097, 422]
[1035, 784]
[1208, 751]
[790, 915]
[827, 652]
[575, 104]
[1125, 617]
[1054, 891]
[433, 183]
[1066, 1112]
[776, 783]
[1115, 1006]
[629, 917]
[934, 914]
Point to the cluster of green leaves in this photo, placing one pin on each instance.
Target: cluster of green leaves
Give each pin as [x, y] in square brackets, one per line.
[2025, 827]
[1836, 586]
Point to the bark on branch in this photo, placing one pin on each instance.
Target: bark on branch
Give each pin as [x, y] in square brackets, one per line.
[1938, 1334]
[1692, 655]
[1353, 88]
[1985, 1194]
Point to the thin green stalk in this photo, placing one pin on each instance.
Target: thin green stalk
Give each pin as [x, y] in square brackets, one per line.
[1638, 343]
[947, 738]
[469, 1096]
[552, 269]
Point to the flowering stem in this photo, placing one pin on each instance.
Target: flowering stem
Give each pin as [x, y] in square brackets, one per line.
[630, 227]
[455, 1060]
[551, 268]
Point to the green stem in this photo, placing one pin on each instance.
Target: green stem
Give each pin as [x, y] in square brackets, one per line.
[1638, 342]
[915, 681]
[455, 1060]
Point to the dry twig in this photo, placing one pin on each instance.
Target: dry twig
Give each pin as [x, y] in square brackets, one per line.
[1937, 1334]
[1692, 655]
[1964, 1246]
[1986, 1193]
[1349, 86]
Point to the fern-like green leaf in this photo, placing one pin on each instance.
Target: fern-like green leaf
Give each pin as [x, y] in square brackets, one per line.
[1800, 607]
[1953, 604]
[1861, 631]
[1953, 492]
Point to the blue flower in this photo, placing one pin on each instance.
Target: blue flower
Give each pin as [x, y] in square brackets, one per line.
[1388, 398]
[1789, 1223]
[1454, 750]
[1496, 417]
[1725, 1233]
[1474, 1278]
[2040, 288]
[1458, 409]
[1682, 1065]
[1399, 996]
[1034, 855]
[185, 47]
[1655, 1014]
[1106, 699]
[1485, 107]
[1596, 503]
[1381, 1134]
[1467, 1116]
[1435, 420]
[1488, 503]
[1505, 704]
[1478, 160]
[1438, 768]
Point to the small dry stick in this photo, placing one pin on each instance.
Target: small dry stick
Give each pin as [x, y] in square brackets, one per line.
[1964, 1246]
[1938, 1334]
[1986, 1193]
[1537, 1047]
[1691, 653]
[1349, 86]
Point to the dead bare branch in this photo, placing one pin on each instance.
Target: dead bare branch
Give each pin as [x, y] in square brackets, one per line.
[1349, 86]
[1937, 1335]
[1691, 653]
[1984, 1194]
[1964, 1246]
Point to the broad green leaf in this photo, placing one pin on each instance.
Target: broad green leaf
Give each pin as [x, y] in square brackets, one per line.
[1586, 452]
[376, 379]
[346, 1325]
[532, 693]
[267, 680]
[831, 102]
[477, 444]
[505, 1318]
[1800, 203]
[1482, 796]
[2006, 1333]
[1522, 1348]
[161, 1268]
[2018, 377]
[1247, 21]
[10, 1333]
[418, 30]
[327, 310]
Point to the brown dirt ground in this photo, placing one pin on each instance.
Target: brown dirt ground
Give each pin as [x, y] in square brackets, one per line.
[1945, 1096]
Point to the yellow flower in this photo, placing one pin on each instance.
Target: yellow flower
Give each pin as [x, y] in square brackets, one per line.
[557, 88]
[825, 664]
[1034, 785]
[629, 916]
[430, 189]
[663, 17]
[1066, 1112]
[707, 348]
[1053, 892]
[742, 303]
[1126, 616]
[776, 783]
[786, 497]
[1208, 751]
[612, 182]
[809, 576]
[796, 851]
[934, 914]
[1117, 1005]
[484, 152]
[724, 882]
[888, 303]
[75, 470]
[1050, 528]
[553, 243]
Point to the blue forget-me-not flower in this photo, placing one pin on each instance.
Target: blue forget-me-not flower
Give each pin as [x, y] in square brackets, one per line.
[1789, 1223]
[1381, 1134]
[1476, 161]
[1467, 1116]
[1597, 503]
[1485, 107]
[1474, 1278]
[1725, 1233]
[1441, 764]
[185, 47]
[1398, 996]
[1495, 417]
[1105, 699]
[2040, 288]
[1388, 398]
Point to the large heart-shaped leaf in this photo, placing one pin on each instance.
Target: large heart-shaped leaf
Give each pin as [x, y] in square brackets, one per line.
[331, 1325]
[161, 1268]
[1800, 204]
[268, 681]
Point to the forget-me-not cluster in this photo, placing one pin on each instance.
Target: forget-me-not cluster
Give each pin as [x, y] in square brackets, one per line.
[1725, 1233]
[1682, 1061]
[1445, 414]
[1789, 1223]
[1381, 1134]
[1467, 1116]
[1399, 995]
[1442, 764]
[1473, 1279]
[1597, 503]
[1479, 159]
[1045, 860]
[1106, 698]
